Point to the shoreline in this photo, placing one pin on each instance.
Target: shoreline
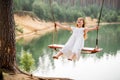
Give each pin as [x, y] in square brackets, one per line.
[33, 27]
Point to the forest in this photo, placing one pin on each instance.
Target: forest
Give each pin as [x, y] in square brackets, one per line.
[70, 10]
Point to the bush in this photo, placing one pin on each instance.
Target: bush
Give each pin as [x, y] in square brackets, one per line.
[42, 10]
[38, 8]
[58, 12]
[65, 12]
[26, 60]
[111, 16]
[25, 5]
[118, 15]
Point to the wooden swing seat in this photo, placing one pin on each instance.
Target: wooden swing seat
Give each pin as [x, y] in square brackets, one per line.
[84, 50]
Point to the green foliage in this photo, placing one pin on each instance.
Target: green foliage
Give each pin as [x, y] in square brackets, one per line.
[65, 11]
[111, 16]
[27, 6]
[23, 5]
[72, 14]
[17, 5]
[91, 10]
[26, 60]
[57, 11]
[118, 16]
[41, 10]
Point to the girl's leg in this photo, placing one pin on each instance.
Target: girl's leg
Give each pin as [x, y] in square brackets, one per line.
[57, 55]
[72, 57]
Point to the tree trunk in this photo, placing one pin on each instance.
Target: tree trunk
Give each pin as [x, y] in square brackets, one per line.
[1, 75]
[7, 37]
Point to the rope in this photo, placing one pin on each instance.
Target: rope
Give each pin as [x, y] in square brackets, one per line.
[99, 23]
[53, 18]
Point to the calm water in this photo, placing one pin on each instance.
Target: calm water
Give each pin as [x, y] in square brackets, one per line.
[104, 65]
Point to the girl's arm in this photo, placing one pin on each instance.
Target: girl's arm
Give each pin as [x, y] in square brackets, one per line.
[63, 27]
[91, 29]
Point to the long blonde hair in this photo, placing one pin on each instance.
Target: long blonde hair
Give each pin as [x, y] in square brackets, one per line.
[85, 33]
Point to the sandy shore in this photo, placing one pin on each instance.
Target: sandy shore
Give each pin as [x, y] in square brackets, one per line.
[32, 28]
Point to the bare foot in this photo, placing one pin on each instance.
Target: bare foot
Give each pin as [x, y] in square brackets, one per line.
[69, 59]
[55, 57]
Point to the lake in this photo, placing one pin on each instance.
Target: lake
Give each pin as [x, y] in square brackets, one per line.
[104, 65]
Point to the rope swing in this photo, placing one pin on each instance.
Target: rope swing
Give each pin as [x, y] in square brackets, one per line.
[99, 22]
[53, 19]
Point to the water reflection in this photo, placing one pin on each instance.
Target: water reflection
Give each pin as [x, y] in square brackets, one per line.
[90, 68]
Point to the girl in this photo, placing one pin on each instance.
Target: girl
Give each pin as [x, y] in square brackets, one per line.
[74, 45]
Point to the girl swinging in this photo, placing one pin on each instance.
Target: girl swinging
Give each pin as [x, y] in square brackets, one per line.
[75, 43]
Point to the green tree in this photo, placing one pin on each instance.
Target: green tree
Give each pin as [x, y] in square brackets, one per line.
[25, 5]
[26, 60]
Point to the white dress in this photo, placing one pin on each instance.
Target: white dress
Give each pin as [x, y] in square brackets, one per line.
[74, 44]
